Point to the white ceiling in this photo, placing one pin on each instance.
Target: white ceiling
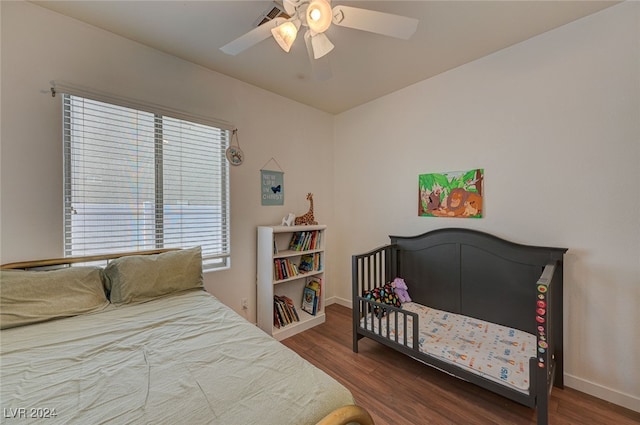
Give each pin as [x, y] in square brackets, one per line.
[364, 65]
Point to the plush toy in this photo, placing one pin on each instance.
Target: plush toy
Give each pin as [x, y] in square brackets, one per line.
[288, 220]
[400, 288]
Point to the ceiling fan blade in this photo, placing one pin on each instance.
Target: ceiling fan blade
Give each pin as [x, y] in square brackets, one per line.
[320, 68]
[251, 38]
[373, 21]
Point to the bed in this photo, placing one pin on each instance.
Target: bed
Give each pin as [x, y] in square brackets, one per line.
[479, 307]
[140, 341]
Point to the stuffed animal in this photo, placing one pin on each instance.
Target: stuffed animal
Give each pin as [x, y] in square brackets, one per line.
[288, 220]
[400, 288]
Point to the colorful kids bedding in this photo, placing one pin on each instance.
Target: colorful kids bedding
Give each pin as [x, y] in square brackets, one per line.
[496, 352]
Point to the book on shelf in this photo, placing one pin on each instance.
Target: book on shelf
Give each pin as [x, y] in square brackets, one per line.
[276, 317]
[279, 319]
[292, 308]
[294, 240]
[284, 311]
[305, 240]
[315, 283]
[309, 302]
[310, 262]
[306, 263]
[312, 296]
[283, 268]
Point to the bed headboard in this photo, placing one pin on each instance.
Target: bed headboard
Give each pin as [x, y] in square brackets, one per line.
[477, 274]
[66, 261]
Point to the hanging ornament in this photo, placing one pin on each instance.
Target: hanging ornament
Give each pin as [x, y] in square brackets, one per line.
[235, 156]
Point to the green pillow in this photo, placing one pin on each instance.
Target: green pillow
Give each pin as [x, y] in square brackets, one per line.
[139, 278]
[36, 296]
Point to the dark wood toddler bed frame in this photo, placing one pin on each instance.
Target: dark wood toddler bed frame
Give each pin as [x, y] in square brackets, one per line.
[478, 275]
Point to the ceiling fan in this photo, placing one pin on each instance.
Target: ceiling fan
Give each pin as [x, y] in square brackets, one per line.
[317, 16]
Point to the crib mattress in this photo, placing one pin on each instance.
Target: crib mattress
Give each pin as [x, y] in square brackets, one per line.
[495, 352]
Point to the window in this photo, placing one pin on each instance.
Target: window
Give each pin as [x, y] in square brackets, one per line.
[137, 180]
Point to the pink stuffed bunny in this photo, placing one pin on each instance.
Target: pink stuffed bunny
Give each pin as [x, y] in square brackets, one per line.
[400, 288]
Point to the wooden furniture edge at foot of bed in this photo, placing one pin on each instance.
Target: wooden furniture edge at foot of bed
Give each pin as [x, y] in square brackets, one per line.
[80, 259]
[347, 414]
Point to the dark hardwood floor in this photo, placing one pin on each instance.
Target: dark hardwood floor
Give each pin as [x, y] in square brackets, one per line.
[397, 390]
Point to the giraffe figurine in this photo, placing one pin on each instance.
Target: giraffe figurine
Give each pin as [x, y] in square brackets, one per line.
[308, 217]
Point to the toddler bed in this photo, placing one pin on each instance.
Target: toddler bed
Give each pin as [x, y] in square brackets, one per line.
[481, 308]
[140, 341]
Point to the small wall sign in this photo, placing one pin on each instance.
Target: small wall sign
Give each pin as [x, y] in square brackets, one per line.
[272, 192]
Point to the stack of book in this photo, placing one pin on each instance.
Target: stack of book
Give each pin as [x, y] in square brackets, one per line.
[305, 241]
[284, 269]
[311, 296]
[284, 312]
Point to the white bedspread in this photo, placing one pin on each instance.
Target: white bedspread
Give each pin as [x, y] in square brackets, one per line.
[493, 351]
[182, 359]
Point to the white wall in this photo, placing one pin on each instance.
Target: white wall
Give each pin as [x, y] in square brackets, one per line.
[555, 123]
[39, 45]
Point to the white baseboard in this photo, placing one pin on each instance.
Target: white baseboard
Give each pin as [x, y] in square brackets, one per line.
[338, 300]
[608, 394]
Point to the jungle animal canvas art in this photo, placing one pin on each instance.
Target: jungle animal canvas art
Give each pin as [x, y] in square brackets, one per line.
[451, 194]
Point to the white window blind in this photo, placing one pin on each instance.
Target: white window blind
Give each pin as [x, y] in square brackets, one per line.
[137, 180]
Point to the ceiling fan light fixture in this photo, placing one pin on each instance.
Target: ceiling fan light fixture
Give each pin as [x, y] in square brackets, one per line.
[321, 45]
[319, 15]
[285, 34]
